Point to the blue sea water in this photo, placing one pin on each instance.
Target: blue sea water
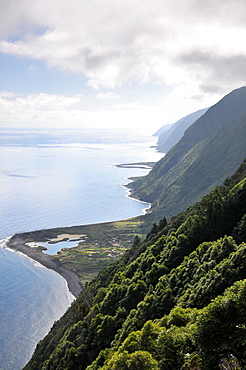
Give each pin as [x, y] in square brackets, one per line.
[31, 299]
[50, 179]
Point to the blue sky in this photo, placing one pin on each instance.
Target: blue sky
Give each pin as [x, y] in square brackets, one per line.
[117, 64]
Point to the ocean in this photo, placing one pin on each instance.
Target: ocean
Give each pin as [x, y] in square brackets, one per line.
[52, 179]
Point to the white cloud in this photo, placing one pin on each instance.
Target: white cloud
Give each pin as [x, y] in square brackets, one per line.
[7, 94]
[109, 95]
[194, 50]
[35, 109]
[115, 43]
[58, 111]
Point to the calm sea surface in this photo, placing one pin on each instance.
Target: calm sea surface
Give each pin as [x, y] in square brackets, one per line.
[51, 179]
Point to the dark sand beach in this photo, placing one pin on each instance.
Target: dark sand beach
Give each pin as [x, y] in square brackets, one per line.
[51, 262]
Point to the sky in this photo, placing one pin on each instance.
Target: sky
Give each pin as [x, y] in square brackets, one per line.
[117, 64]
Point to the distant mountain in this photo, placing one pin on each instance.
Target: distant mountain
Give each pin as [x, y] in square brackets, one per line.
[210, 151]
[170, 137]
[163, 129]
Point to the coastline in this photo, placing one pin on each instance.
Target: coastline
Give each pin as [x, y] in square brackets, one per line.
[18, 244]
[130, 195]
[141, 165]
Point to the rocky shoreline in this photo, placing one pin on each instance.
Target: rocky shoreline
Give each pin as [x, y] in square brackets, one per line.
[51, 262]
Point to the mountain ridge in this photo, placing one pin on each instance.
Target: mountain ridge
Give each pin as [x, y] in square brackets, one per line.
[201, 140]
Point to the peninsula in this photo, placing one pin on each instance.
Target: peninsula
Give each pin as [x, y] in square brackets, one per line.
[101, 244]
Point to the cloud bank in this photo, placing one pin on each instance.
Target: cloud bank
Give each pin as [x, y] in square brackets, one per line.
[148, 62]
[115, 43]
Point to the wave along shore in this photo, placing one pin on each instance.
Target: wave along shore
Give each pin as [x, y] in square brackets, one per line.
[51, 262]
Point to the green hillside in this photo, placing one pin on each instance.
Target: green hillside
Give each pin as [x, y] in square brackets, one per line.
[176, 300]
[210, 151]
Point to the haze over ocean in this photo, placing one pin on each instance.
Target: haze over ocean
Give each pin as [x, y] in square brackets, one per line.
[51, 179]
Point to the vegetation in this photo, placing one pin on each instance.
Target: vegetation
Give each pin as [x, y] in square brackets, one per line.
[176, 300]
[101, 244]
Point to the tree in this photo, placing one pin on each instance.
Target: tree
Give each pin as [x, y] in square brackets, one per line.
[141, 360]
[221, 327]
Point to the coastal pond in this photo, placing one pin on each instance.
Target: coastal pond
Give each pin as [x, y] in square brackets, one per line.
[55, 245]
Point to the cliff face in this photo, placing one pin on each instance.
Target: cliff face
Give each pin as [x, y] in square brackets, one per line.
[210, 150]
